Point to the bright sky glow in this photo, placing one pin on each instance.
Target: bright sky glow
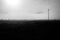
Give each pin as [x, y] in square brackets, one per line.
[13, 2]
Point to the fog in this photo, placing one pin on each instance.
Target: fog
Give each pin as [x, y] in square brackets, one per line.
[31, 9]
[54, 6]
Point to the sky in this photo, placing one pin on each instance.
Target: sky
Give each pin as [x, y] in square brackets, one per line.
[54, 6]
[31, 9]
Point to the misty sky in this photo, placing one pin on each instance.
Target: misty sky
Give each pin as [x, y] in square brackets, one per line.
[32, 9]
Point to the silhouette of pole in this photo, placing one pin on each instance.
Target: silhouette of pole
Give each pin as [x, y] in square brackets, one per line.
[48, 14]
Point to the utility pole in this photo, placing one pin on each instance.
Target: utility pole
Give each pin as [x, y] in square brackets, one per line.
[48, 13]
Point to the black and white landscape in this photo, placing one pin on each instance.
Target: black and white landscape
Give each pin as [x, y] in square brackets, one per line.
[29, 19]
